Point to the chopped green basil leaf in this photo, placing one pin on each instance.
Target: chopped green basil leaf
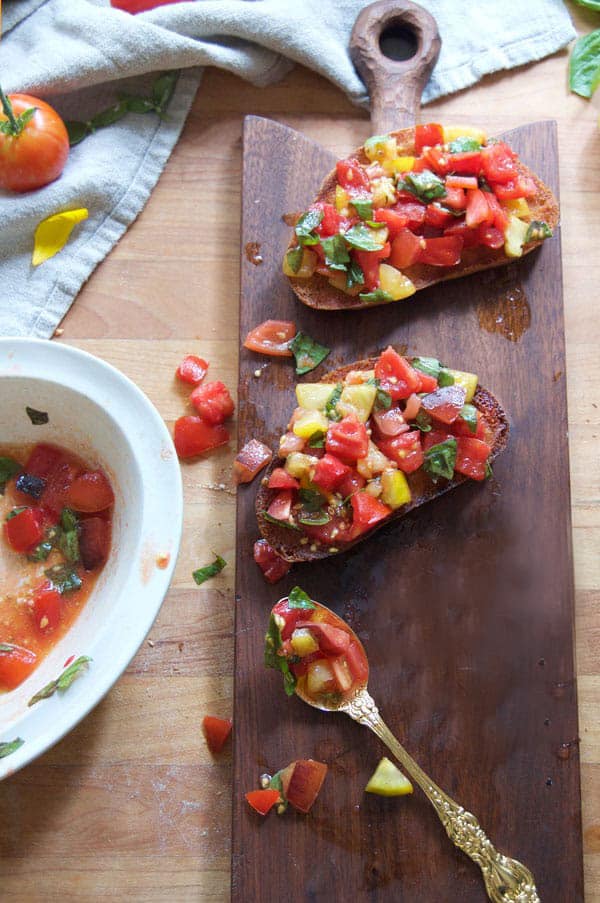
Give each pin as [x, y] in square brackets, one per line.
[317, 440]
[331, 411]
[68, 544]
[468, 414]
[209, 570]
[311, 499]
[36, 417]
[584, 65]
[68, 519]
[376, 296]
[359, 236]
[440, 460]
[375, 224]
[383, 400]
[538, 230]
[64, 578]
[308, 353]
[313, 518]
[297, 598]
[306, 225]
[489, 473]
[273, 643]
[41, 552]
[363, 206]
[423, 421]
[8, 468]
[336, 252]
[445, 378]
[7, 747]
[354, 275]
[14, 511]
[430, 366]
[280, 523]
[64, 681]
[424, 185]
[294, 258]
[276, 784]
[462, 144]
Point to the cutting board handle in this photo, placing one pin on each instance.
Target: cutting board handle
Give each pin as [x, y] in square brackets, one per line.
[395, 86]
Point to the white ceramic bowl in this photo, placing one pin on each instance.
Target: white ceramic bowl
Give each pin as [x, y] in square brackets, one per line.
[101, 415]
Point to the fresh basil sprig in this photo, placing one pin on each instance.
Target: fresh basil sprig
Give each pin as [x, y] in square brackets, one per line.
[361, 237]
[209, 570]
[432, 367]
[439, 460]
[336, 252]
[306, 225]
[584, 65]
[273, 643]
[64, 681]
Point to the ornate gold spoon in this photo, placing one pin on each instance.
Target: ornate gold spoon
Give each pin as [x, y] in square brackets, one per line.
[506, 880]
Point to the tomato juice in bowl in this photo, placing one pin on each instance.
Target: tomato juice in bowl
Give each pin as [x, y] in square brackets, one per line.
[59, 396]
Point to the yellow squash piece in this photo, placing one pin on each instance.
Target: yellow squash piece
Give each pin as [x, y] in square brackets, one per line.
[518, 206]
[314, 396]
[342, 199]
[395, 489]
[53, 233]
[452, 132]
[399, 164]
[307, 265]
[467, 381]
[358, 400]
[387, 780]
[514, 236]
[395, 283]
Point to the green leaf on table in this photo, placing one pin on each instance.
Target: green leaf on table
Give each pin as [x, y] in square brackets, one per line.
[308, 353]
[584, 65]
[209, 570]
[64, 681]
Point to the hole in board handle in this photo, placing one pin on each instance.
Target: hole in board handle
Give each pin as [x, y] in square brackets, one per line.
[398, 42]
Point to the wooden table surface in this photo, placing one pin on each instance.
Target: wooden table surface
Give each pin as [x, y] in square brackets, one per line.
[130, 805]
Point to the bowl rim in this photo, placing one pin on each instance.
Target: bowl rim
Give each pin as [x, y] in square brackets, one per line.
[161, 517]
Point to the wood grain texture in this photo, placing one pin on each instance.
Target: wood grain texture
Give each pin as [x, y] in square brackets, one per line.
[465, 606]
[151, 301]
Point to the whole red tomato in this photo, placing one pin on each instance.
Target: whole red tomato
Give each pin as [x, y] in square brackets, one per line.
[33, 151]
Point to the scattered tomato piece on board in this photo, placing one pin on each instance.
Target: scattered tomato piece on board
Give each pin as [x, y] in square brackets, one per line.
[272, 566]
[271, 337]
[250, 460]
[192, 436]
[262, 801]
[302, 783]
[216, 730]
[213, 402]
[192, 370]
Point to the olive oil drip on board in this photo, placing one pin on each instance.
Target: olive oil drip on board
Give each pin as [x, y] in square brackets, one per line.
[507, 314]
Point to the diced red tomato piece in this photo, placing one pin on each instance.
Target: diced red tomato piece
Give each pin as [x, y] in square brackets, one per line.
[280, 479]
[213, 402]
[413, 404]
[426, 384]
[467, 163]
[368, 511]
[456, 199]
[94, 541]
[428, 135]
[272, 337]
[329, 472]
[405, 249]
[332, 640]
[478, 210]
[281, 506]
[441, 252]
[352, 482]
[271, 564]
[435, 437]
[58, 482]
[490, 237]
[390, 422]
[291, 616]
[405, 450]
[43, 460]
[395, 375]
[457, 183]
[499, 214]
[192, 370]
[436, 160]
[337, 530]
[250, 460]
[394, 220]
[523, 187]
[24, 530]
[471, 455]
[413, 210]
[330, 224]
[368, 261]
[216, 732]
[499, 163]
[16, 664]
[351, 175]
[303, 785]
[437, 217]
[262, 801]
[90, 492]
[461, 428]
[357, 662]
[470, 236]
[445, 404]
[192, 436]
[46, 608]
[347, 440]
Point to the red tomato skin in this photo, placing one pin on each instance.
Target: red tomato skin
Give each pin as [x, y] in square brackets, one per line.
[291, 616]
[394, 220]
[270, 563]
[280, 479]
[498, 162]
[478, 210]
[461, 428]
[43, 460]
[213, 402]
[25, 530]
[329, 472]
[271, 337]
[405, 450]
[471, 455]
[330, 224]
[441, 252]
[332, 640]
[395, 375]
[428, 135]
[90, 492]
[347, 440]
[38, 155]
[352, 482]
[437, 217]
[216, 732]
[16, 666]
[58, 483]
[490, 237]
[46, 608]
[436, 437]
[519, 188]
[459, 183]
[304, 784]
[352, 176]
[368, 511]
[436, 160]
[369, 264]
[192, 436]
[470, 236]
[405, 249]
[262, 801]
[281, 505]
[357, 663]
[94, 541]
[467, 163]
[500, 216]
[426, 383]
[192, 370]
[445, 404]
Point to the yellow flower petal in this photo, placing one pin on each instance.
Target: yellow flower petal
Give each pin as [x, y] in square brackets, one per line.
[53, 233]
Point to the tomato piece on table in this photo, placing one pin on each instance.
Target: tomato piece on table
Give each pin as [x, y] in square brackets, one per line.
[192, 370]
[406, 450]
[16, 664]
[351, 175]
[193, 436]
[213, 402]
[36, 153]
[24, 530]
[94, 541]
[281, 479]
[428, 135]
[46, 608]
[303, 783]
[405, 248]
[441, 252]
[271, 564]
[367, 511]
[90, 492]
[262, 801]
[272, 337]
[471, 457]
[250, 460]
[329, 472]
[395, 375]
[445, 404]
[216, 731]
[347, 440]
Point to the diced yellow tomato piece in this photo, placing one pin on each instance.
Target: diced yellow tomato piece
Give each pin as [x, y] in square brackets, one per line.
[310, 422]
[387, 780]
[381, 147]
[394, 282]
[375, 462]
[358, 400]
[518, 206]
[314, 396]
[303, 642]
[339, 281]
[514, 236]
[395, 489]
[307, 265]
[319, 678]
[452, 132]
[400, 164]
[342, 199]
[298, 464]
[355, 377]
[467, 381]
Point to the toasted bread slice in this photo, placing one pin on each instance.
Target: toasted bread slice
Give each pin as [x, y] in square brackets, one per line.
[287, 543]
[317, 292]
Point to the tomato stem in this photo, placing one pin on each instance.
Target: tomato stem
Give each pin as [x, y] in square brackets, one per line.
[8, 112]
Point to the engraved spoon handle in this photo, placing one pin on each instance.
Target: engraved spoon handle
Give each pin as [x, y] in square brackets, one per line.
[506, 880]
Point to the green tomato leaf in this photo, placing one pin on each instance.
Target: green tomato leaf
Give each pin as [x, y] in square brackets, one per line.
[77, 131]
[109, 116]
[209, 570]
[440, 460]
[584, 65]
[297, 598]
[163, 88]
[308, 353]
[8, 747]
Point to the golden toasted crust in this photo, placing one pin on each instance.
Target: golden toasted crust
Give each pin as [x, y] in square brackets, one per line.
[317, 292]
[286, 542]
